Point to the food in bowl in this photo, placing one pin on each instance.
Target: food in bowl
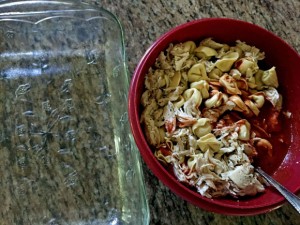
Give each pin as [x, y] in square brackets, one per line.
[208, 111]
[283, 165]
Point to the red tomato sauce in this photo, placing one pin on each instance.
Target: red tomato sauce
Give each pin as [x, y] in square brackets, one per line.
[278, 127]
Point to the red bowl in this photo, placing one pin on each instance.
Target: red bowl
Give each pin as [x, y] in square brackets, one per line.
[286, 167]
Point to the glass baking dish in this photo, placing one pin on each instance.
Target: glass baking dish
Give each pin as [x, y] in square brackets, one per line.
[66, 152]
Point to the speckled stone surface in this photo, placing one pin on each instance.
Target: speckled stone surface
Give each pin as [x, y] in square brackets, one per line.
[143, 22]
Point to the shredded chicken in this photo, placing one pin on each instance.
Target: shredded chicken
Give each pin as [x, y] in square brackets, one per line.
[196, 106]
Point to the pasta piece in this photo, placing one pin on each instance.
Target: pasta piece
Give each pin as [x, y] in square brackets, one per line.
[149, 110]
[215, 85]
[252, 107]
[179, 102]
[180, 60]
[246, 66]
[162, 62]
[255, 102]
[194, 95]
[204, 52]
[219, 166]
[202, 127]
[182, 48]
[211, 43]
[145, 99]
[263, 144]
[197, 72]
[235, 73]
[238, 50]
[223, 51]
[269, 78]
[218, 98]
[175, 80]
[193, 160]
[226, 62]
[158, 117]
[155, 79]
[242, 84]
[202, 86]
[193, 100]
[244, 130]
[272, 95]
[258, 98]
[230, 85]
[164, 156]
[258, 80]
[154, 135]
[189, 46]
[243, 46]
[215, 74]
[209, 142]
[250, 51]
[240, 106]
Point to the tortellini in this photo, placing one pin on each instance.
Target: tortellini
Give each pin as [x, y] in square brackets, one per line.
[197, 72]
[209, 142]
[269, 78]
[204, 52]
[230, 85]
[202, 86]
[218, 98]
[202, 127]
[196, 107]
[247, 66]
[226, 62]
[211, 43]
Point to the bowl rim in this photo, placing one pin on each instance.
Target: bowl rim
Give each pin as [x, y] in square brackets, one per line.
[160, 172]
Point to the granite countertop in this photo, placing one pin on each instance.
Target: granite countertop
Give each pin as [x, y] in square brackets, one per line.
[144, 22]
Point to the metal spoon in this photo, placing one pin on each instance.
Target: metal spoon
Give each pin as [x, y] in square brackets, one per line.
[289, 196]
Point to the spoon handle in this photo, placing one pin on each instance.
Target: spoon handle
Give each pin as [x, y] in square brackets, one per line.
[290, 197]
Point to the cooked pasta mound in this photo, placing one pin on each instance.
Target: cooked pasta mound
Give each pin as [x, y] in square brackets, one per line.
[198, 108]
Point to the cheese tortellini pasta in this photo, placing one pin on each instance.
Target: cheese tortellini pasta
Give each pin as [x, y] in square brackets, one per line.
[197, 108]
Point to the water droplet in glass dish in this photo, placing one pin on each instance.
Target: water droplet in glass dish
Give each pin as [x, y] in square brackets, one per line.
[129, 175]
[10, 34]
[65, 118]
[103, 99]
[103, 148]
[22, 89]
[22, 148]
[124, 118]
[22, 187]
[66, 85]
[70, 136]
[92, 57]
[71, 179]
[46, 106]
[54, 113]
[28, 113]
[44, 66]
[69, 104]
[116, 71]
[52, 221]
[63, 151]
[21, 130]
